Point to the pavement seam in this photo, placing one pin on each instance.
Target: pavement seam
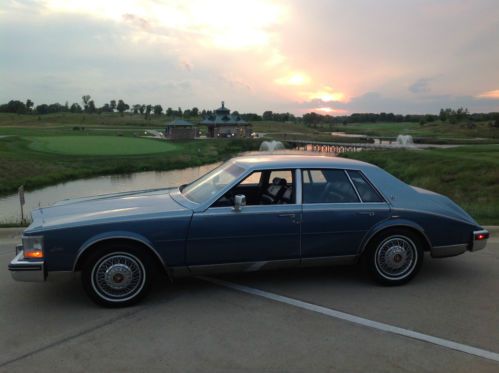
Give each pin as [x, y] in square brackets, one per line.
[456, 346]
[71, 337]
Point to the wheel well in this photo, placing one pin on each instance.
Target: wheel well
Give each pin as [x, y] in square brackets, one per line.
[159, 266]
[421, 236]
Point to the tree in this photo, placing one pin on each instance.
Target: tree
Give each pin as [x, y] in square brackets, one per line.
[75, 108]
[142, 108]
[195, 112]
[136, 108]
[29, 105]
[86, 100]
[112, 105]
[179, 112]
[122, 107]
[267, 115]
[169, 112]
[158, 109]
[42, 109]
[91, 106]
[148, 111]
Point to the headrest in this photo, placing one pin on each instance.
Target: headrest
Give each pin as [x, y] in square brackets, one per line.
[279, 181]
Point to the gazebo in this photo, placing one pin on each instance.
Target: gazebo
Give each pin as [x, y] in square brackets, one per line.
[224, 124]
[180, 129]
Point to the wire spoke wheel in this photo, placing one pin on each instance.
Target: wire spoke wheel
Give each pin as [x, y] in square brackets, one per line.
[118, 276]
[396, 257]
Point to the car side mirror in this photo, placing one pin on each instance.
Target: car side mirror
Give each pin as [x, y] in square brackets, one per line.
[239, 202]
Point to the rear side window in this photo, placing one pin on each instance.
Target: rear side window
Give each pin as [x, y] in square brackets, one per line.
[327, 186]
[366, 191]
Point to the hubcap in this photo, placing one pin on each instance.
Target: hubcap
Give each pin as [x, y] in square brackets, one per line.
[396, 257]
[118, 276]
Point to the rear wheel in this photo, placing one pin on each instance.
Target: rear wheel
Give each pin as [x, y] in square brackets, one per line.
[394, 257]
[117, 275]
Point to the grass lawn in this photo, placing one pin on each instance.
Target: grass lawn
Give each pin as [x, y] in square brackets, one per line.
[469, 174]
[99, 145]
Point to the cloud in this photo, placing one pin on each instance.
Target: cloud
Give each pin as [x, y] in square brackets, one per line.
[420, 86]
[490, 94]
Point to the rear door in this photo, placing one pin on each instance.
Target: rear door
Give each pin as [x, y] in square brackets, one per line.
[336, 216]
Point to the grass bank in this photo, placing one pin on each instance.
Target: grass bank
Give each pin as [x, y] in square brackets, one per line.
[22, 162]
[469, 174]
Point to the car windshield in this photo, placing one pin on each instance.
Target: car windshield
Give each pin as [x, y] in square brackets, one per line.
[210, 184]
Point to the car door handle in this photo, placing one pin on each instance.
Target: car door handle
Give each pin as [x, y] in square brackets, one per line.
[287, 215]
[370, 213]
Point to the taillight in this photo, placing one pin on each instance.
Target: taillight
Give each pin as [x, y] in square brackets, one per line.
[481, 236]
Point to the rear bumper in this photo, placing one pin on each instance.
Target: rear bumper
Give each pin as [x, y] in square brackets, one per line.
[479, 244]
[27, 270]
[453, 250]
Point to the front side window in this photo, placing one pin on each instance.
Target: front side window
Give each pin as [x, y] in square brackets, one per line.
[327, 186]
[210, 184]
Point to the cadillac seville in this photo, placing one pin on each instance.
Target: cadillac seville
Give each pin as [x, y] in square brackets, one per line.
[251, 213]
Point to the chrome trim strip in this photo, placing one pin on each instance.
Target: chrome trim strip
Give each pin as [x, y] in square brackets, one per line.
[243, 266]
[448, 250]
[329, 260]
[27, 271]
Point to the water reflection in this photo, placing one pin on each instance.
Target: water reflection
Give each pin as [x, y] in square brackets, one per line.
[9, 205]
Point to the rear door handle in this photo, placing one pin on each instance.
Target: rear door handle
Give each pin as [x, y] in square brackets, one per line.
[287, 215]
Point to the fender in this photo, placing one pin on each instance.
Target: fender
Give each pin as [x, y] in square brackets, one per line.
[119, 235]
[389, 223]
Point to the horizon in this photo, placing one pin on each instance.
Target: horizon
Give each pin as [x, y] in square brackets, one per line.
[326, 57]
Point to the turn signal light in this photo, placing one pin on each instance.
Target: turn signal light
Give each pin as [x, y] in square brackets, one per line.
[35, 254]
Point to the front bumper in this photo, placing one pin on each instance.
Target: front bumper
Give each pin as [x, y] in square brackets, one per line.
[27, 270]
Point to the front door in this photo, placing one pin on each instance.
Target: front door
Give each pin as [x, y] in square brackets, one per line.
[254, 236]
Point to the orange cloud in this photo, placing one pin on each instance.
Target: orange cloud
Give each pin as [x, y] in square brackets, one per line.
[490, 94]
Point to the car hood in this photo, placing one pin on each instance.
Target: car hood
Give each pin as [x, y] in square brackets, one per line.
[107, 208]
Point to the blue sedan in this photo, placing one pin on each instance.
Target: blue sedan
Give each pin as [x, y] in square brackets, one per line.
[251, 213]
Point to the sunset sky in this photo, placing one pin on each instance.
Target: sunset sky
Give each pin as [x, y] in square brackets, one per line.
[328, 56]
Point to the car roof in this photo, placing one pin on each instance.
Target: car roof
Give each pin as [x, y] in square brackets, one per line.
[298, 161]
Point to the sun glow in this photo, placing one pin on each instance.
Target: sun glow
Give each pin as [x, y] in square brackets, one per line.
[327, 95]
[295, 79]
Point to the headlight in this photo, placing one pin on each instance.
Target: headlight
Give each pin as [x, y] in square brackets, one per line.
[33, 247]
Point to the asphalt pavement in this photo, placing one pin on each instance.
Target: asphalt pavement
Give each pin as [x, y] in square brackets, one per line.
[278, 321]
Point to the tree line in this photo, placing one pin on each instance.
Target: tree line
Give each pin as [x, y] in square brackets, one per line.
[87, 105]
[445, 115]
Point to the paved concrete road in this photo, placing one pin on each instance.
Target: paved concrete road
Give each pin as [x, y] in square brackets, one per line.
[198, 326]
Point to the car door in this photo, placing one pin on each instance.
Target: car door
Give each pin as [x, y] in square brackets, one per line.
[256, 235]
[336, 217]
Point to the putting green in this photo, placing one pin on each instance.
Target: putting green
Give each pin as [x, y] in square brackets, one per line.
[99, 145]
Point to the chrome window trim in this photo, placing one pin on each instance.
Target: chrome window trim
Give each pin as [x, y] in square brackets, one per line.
[353, 186]
[298, 188]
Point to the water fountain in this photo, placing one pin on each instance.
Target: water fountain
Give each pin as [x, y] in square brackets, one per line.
[270, 146]
[404, 140]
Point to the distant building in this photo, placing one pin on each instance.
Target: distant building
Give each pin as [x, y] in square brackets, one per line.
[180, 129]
[224, 124]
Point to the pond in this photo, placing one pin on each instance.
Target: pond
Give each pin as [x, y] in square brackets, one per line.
[9, 205]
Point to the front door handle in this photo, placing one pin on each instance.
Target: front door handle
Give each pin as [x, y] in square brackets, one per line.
[370, 213]
[292, 216]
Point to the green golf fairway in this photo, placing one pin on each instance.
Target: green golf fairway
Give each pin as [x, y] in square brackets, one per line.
[99, 145]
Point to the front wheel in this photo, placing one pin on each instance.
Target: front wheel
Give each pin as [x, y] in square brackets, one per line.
[117, 275]
[394, 257]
